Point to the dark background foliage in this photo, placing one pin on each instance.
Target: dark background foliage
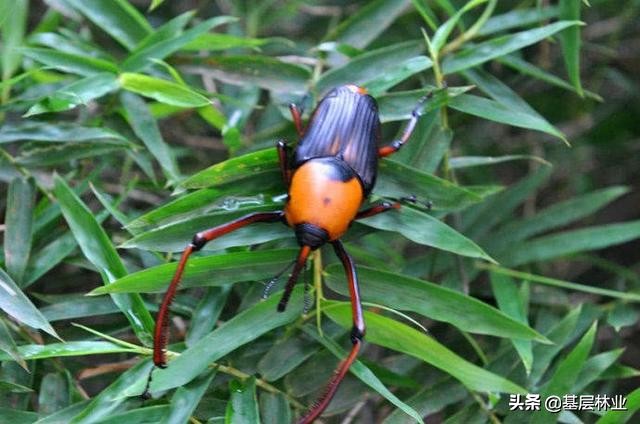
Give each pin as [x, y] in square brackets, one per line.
[132, 125]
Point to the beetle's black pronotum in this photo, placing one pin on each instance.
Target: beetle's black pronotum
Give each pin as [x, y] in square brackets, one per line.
[329, 175]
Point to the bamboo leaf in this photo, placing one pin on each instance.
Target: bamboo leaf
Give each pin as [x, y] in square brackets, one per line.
[402, 338]
[117, 18]
[14, 302]
[19, 223]
[97, 248]
[241, 329]
[432, 301]
[501, 46]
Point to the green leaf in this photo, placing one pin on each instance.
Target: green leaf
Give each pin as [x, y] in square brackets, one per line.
[18, 226]
[175, 237]
[64, 153]
[399, 105]
[54, 393]
[555, 216]
[154, 4]
[365, 375]
[432, 301]
[117, 18]
[97, 248]
[570, 42]
[594, 367]
[566, 373]
[505, 96]
[217, 42]
[402, 71]
[560, 334]
[265, 72]
[8, 345]
[217, 270]
[238, 331]
[83, 65]
[618, 417]
[14, 302]
[79, 308]
[146, 415]
[567, 242]
[512, 303]
[243, 404]
[553, 282]
[442, 34]
[469, 161]
[397, 180]
[164, 91]
[78, 93]
[501, 46]
[60, 132]
[274, 408]
[284, 356]
[364, 26]
[518, 18]
[156, 47]
[394, 335]
[108, 401]
[57, 350]
[146, 128]
[424, 229]
[477, 221]
[186, 399]
[369, 66]
[14, 416]
[498, 112]
[263, 162]
[529, 69]
[12, 33]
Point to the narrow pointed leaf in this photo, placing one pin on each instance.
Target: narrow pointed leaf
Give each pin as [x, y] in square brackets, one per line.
[265, 72]
[402, 338]
[146, 128]
[241, 329]
[242, 407]
[422, 228]
[433, 301]
[175, 237]
[216, 270]
[161, 48]
[117, 18]
[501, 46]
[19, 223]
[186, 399]
[14, 302]
[366, 375]
[97, 247]
[56, 350]
[572, 241]
[69, 62]
[570, 42]
[495, 111]
[164, 91]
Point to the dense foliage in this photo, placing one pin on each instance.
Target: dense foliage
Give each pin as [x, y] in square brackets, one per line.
[126, 127]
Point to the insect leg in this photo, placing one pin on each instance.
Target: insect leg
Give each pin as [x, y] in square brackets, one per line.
[376, 209]
[408, 130]
[357, 334]
[198, 242]
[296, 114]
[283, 159]
[291, 282]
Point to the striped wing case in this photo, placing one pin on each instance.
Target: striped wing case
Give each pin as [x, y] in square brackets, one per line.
[345, 125]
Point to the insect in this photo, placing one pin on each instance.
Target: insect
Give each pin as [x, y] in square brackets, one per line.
[329, 175]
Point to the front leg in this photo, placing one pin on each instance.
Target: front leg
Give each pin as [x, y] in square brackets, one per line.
[283, 159]
[395, 145]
